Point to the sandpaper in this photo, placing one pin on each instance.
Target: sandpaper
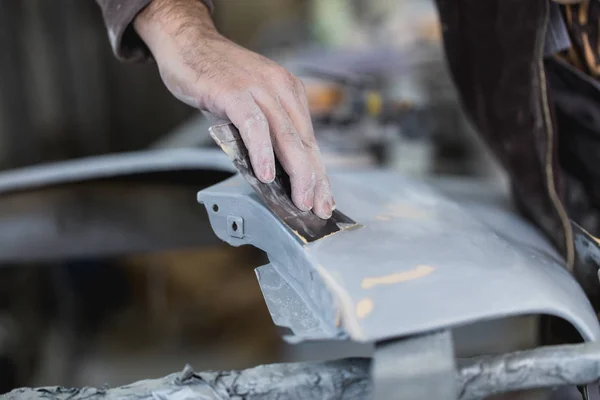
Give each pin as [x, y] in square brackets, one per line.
[277, 194]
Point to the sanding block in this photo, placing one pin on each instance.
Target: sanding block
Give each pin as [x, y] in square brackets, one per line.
[277, 194]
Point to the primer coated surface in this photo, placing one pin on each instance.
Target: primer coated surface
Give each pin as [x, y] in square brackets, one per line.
[443, 261]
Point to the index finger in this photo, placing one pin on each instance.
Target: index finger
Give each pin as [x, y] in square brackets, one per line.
[252, 123]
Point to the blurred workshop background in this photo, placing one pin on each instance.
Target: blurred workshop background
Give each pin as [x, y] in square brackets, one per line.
[380, 97]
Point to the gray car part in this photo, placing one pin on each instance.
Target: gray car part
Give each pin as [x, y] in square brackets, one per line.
[113, 166]
[417, 247]
[417, 368]
[107, 205]
[420, 263]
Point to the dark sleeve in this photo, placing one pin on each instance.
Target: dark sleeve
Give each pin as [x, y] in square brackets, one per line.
[118, 17]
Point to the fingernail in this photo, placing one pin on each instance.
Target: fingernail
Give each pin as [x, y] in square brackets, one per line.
[308, 200]
[327, 210]
[268, 173]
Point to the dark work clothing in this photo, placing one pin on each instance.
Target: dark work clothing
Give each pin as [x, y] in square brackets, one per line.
[538, 112]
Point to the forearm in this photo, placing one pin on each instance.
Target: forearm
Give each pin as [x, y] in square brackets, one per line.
[119, 17]
[165, 21]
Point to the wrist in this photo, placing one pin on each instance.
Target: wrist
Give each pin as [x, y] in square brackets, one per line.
[174, 19]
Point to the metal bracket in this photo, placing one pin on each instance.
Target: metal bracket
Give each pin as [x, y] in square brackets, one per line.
[415, 368]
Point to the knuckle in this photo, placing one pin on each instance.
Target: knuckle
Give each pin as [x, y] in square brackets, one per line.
[310, 143]
[232, 95]
[289, 137]
[323, 182]
[299, 85]
[238, 90]
[278, 70]
[255, 119]
[286, 77]
[258, 91]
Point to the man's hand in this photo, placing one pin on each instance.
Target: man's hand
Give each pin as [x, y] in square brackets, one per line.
[264, 101]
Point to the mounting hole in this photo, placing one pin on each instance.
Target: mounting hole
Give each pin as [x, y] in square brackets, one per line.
[234, 226]
[215, 208]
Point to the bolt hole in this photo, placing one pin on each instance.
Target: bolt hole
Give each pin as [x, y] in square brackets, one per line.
[215, 208]
[234, 226]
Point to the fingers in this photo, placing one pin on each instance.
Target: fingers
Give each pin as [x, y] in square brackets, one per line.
[264, 101]
[273, 117]
[289, 149]
[296, 104]
[252, 123]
